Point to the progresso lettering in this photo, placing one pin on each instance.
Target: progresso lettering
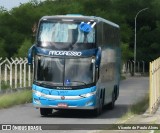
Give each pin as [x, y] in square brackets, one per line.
[67, 53]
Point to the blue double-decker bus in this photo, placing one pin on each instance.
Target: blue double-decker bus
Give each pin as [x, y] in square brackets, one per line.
[76, 63]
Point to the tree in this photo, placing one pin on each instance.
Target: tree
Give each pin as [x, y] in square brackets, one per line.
[23, 50]
[3, 52]
[126, 52]
[16, 25]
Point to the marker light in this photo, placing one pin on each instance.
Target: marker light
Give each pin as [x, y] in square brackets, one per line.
[68, 82]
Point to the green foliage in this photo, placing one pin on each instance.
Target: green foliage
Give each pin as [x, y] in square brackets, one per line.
[126, 52]
[5, 85]
[20, 97]
[23, 50]
[3, 52]
[16, 25]
[141, 106]
[137, 108]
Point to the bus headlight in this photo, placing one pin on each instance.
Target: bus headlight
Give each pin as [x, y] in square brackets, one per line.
[88, 94]
[38, 93]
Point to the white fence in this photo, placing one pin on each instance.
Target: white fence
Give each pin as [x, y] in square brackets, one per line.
[15, 73]
[128, 67]
[154, 91]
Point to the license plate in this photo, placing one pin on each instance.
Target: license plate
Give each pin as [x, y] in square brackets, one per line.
[62, 105]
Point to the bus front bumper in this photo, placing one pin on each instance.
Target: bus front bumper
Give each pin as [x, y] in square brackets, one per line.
[69, 107]
[87, 102]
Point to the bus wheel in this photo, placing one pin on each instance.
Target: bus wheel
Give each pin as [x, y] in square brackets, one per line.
[98, 110]
[45, 111]
[112, 103]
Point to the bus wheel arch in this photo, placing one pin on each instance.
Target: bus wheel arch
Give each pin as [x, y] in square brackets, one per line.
[103, 98]
[99, 108]
[112, 103]
[116, 90]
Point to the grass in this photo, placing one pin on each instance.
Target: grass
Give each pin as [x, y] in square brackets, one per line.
[136, 109]
[125, 117]
[16, 98]
[141, 106]
[123, 77]
[4, 85]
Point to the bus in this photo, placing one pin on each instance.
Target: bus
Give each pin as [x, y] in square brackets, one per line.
[76, 62]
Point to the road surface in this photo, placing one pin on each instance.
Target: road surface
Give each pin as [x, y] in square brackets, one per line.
[131, 90]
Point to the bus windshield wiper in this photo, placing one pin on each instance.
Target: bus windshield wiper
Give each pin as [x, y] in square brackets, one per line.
[79, 82]
[43, 83]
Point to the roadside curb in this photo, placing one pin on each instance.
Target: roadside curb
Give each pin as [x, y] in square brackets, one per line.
[145, 118]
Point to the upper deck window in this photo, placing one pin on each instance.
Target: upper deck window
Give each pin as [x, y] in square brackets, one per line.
[60, 33]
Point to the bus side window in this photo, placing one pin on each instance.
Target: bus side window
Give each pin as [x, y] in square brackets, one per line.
[99, 34]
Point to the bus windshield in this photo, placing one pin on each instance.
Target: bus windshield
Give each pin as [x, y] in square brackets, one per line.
[64, 34]
[64, 71]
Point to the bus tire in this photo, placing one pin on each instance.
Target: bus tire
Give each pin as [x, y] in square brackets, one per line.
[45, 111]
[116, 91]
[99, 109]
[112, 103]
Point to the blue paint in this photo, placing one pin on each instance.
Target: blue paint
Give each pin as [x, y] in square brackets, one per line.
[30, 55]
[68, 82]
[80, 102]
[86, 53]
[86, 28]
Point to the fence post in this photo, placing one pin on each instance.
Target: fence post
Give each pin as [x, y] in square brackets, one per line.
[21, 72]
[24, 80]
[1, 73]
[138, 66]
[5, 73]
[29, 75]
[154, 88]
[157, 82]
[15, 75]
[150, 88]
[154, 83]
[0, 79]
[143, 66]
[159, 78]
[16, 72]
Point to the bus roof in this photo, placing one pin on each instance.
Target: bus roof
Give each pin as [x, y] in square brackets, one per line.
[80, 17]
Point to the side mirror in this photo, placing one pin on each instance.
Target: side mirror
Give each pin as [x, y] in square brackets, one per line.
[86, 27]
[98, 57]
[30, 55]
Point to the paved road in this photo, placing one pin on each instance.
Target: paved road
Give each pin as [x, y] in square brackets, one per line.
[131, 90]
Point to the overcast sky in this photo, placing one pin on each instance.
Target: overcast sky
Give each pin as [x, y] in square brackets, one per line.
[9, 4]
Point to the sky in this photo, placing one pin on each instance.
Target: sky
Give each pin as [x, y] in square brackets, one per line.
[9, 4]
